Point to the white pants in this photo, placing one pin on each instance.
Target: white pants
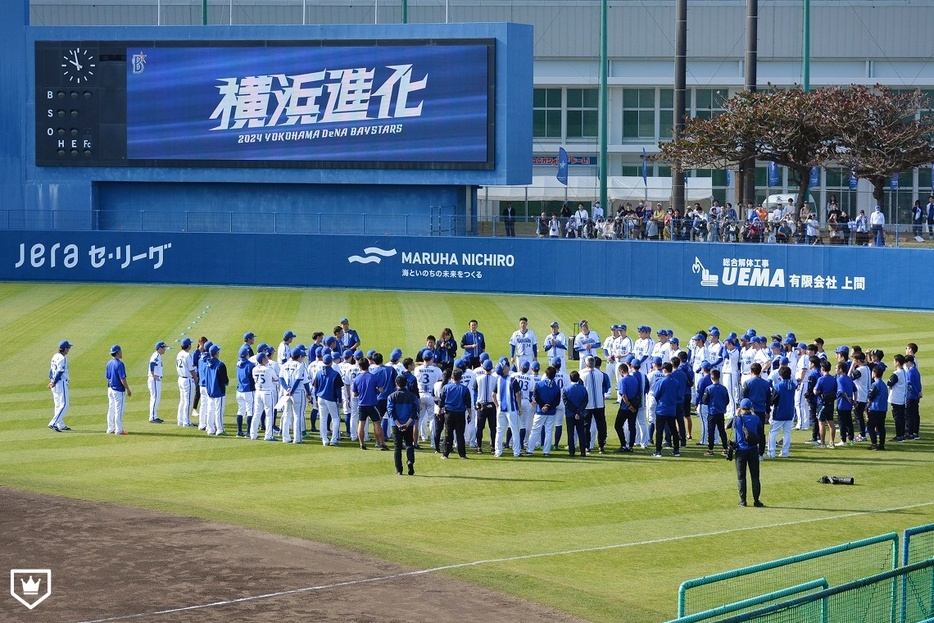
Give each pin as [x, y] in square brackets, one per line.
[426, 416]
[470, 429]
[783, 426]
[642, 429]
[245, 402]
[354, 417]
[202, 417]
[116, 401]
[504, 420]
[263, 401]
[185, 386]
[215, 423]
[290, 420]
[155, 396]
[526, 415]
[802, 407]
[729, 381]
[702, 416]
[60, 404]
[539, 422]
[328, 409]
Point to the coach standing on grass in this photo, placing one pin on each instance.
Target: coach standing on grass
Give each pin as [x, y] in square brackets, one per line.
[155, 382]
[402, 407]
[58, 383]
[118, 390]
[747, 431]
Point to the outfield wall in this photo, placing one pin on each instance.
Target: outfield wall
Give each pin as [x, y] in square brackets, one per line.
[762, 273]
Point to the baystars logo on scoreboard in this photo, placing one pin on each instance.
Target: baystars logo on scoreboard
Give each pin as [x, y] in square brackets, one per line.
[325, 96]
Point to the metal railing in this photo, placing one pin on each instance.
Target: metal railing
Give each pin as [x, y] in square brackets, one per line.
[441, 221]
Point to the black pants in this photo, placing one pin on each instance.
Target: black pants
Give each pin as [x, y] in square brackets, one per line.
[860, 417]
[912, 416]
[625, 419]
[439, 430]
[715, 424]
[403, 438]
[750, 459]
[598, 416]
[662, 421]
[876, 427]
[454, 423]
[579, 428]
[898, 415]
[510, 228]
[486, 416]
[845, 419]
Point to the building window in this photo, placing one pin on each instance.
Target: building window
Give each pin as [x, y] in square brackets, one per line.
[583, 113]
[639, 115]
[708, 103]
[546, 113]
[666, 114]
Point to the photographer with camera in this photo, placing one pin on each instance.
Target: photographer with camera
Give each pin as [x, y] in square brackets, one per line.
[747, 431]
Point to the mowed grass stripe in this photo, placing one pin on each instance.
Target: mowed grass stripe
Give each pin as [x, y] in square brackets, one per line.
[462, 511]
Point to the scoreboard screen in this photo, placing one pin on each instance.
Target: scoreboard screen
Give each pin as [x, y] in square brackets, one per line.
[422, 104]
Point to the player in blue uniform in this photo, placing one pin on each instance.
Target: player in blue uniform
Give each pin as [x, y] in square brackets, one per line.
[118, 390]
[58, 383]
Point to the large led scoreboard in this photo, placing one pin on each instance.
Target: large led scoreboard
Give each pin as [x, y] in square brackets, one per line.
[398, 104]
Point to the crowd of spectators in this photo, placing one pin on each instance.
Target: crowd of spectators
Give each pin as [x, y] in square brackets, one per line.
[783, 224]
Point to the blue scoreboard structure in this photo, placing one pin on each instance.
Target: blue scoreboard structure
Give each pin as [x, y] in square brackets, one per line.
[328, 120]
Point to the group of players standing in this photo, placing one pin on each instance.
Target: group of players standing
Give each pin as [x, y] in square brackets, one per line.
[446, 400]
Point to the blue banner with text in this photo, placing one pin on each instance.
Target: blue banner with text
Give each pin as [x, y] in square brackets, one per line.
[763, 273]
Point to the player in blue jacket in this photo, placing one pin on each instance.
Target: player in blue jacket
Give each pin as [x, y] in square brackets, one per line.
[716, 399]
[455, 402]
[878, 405]
[668, 394]
[575, 413]
[747, 431]
[402, 407]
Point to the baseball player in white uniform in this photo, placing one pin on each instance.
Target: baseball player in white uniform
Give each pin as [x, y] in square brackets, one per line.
[427, 375]
[58, 383]
[556, 343]
[523, 344]
[155, 382]
[285, 347]
[187, 381]
[526, 380]
[292, 378]
[587, 344]
[264, 398]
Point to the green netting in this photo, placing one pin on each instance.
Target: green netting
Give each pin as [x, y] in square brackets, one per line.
[838, 565]
[919, 544]
[905, 595]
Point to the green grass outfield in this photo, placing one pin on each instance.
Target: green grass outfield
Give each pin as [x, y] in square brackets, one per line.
[626, 508]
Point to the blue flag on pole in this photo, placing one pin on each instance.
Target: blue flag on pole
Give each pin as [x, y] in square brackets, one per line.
[773, 174]
[729, 178]
[814, 182]
[932, 176]
[645, 169]
[893, 182]
[853, 180]
[562, 166]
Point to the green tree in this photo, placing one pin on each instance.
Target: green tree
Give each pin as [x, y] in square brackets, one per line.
[789, 127]
[880, 133]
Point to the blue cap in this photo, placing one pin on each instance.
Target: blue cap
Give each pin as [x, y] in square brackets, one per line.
[697, 336]
[661, 332]
[370, 353]
[635, 364]
[745, 403]
[524, 365]
[67, 344]
[287, 335]
[260, 356]
[674, 340]
[555, 360]
[614, 327]
[776, 345]
[347, 354]
[643, 328]
[214, 349]
[843, 349]
[428, 355]
[328, 359]
[395, 354]
[330, 340]
[790, 334]
[536, 366]
[705, 365]
[248, 335]
[555, 323]
[750, 331]
[344, 320]
[504, 361]
[657, 361]
[244, 352]
[714, 331]
[299, 351]
[783, 361]
[629, 358]
[789, 340]
[160, 344]
[499, 370]
[487, 364]
[484, 356]
[732, 335]
[622, 327]
[114, 349]
[186, 342]
[208, 345]
[262, 347]
[358, 354]
[461, 364]
[270, 350]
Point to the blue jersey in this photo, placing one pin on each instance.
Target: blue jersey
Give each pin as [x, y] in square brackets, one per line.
[402, 406]
[846, 393]
[115, 371]
[245, 382]
[784, 400]
[630, 387]
[826, 388]
[750, 421]
[216, 378]
[758, 390]
[455, 398]
[365, 388]
[548, 393]
[328, 384]
[878, 396]
[716, 397]
[386, 380]
[575, 399]
[668, 394]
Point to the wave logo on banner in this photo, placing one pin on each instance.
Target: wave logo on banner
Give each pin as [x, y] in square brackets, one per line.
[708, 279]
[371, 255]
